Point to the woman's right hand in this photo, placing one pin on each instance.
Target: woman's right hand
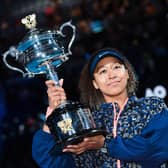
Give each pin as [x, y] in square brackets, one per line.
[56, 94]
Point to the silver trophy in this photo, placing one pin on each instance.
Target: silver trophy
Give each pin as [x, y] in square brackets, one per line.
[40, 52]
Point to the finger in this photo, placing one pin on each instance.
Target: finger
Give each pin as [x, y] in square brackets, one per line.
[61, 82]
[74, 150]
[83, 146]
[56, 92]
[49, 111]
[49, 83]
[54, 88]
[77, 149]
[94, 138]
[56, 98]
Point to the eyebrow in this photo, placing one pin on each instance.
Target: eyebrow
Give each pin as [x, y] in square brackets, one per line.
[101, 66]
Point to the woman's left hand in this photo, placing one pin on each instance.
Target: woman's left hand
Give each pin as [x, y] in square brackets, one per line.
[89, 143]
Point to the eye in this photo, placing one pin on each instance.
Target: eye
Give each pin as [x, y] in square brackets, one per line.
[102, 71]
[118, 66]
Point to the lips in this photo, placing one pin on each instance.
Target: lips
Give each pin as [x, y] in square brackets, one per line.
[112, 83]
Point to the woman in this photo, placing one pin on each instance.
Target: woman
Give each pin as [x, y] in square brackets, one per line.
[136, 127]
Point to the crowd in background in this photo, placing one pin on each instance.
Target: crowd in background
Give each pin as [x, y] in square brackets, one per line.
[137, 28]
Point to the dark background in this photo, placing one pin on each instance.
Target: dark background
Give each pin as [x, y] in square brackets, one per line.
[137, 28]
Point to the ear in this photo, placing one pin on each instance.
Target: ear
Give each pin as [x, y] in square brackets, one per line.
[95, 84]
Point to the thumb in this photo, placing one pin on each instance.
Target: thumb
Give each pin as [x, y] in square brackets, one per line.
[86, 139]
[61, 82]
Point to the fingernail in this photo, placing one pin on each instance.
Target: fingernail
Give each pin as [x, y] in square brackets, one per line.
[86, 139]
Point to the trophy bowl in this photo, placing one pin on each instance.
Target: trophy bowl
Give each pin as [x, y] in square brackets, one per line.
[39, 46]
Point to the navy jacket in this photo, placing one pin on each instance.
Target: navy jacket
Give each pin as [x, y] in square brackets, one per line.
[141, 139]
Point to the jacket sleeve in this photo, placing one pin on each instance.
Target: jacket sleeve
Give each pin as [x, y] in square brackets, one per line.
[150, 145]
[41, 152]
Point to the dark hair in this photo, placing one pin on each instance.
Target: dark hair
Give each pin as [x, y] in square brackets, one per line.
[93, 97]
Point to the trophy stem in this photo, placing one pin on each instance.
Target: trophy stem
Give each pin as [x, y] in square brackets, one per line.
[51, 73]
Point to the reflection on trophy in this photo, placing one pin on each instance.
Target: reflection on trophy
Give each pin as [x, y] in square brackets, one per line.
[39, 53]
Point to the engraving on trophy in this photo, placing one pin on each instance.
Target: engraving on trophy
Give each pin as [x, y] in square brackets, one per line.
[65, 125]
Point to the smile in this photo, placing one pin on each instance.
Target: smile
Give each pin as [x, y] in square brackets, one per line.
[113, 83]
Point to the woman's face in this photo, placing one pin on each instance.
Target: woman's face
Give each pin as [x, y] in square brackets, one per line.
[110, 77]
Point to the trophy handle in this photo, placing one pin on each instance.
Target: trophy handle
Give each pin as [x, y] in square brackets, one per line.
[73, 36]
[14, 53]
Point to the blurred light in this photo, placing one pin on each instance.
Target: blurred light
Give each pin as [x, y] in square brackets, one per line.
[49, 10]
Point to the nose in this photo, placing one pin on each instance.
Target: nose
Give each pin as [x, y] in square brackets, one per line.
[112, 74]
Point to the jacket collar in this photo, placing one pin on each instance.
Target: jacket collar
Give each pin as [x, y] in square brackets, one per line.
[132, 100]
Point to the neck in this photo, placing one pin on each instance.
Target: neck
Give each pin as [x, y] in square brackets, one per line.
[120, 99]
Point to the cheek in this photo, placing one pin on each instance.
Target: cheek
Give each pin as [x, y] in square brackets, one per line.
[125, 80]
[127, 74]
[98, 83]
[124, 75]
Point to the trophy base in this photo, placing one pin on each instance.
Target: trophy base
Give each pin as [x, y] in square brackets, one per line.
[79, 138]
[75, 139]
